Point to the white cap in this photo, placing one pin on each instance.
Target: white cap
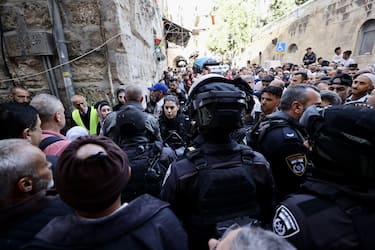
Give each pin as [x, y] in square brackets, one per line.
[369, 76]
[76, 132]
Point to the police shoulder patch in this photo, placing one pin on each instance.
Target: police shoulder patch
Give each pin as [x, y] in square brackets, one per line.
[284, 223]
[297, 163]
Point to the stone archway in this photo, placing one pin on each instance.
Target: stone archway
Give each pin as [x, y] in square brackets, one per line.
[293, 48]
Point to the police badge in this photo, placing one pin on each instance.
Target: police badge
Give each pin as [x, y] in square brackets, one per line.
[297, 163]
[284, 223]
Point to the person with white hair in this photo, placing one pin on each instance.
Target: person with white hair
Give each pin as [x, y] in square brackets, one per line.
[25, 177]
[75, 132]
[251, 238]
[52, 115]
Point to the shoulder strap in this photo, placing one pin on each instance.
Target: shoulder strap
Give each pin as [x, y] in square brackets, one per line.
[48, 141]
[200, 162]
[247, 155]
[261, 128]
[194, 155]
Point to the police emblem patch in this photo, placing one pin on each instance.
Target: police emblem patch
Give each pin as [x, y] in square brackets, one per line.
[297, 163]
[284, 223]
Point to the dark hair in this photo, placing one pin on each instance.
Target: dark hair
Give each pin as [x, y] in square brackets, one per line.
[302, 74]
[353, 66]
[273, 90]
[295, 93]
[337, 48]
[348, 52]
[118, 91]
[331, 97]
[100, 104]
[15, 117]
[171, 98]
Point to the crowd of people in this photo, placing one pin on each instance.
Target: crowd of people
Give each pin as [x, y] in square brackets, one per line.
[256, 158]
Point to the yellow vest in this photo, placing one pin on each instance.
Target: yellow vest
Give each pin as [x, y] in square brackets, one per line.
[94, 120]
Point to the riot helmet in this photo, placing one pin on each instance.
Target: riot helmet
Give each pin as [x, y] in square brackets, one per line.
[342, 140]
[216, 104]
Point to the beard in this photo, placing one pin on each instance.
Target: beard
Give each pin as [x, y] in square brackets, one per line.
[42, 184]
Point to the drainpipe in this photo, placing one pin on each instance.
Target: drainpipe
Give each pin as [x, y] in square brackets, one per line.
[52, 84]
[62, 52]
[6, 68]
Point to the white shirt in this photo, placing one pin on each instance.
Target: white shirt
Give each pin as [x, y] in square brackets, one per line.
[159, 108]
[337, 58]
[347, 62]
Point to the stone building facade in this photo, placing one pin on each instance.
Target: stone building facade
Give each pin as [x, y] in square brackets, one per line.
[322, 25]
[109, 42]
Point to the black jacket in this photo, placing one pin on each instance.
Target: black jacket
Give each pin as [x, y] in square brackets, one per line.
[284, 149]
[177, 125]
[145, 223]
[324, 215]
[309, 59]
[183, 182]
[21, 222]
[148, 161]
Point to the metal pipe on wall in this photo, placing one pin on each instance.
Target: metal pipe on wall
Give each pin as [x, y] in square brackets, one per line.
[58, 34]
[52, 84]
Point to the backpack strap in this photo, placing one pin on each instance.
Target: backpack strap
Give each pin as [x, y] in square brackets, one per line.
[268, 124]
[247, 155]
[48, 141]
[261, 128]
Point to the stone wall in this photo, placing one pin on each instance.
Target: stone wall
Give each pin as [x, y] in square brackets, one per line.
[127, 28]
[322, 25]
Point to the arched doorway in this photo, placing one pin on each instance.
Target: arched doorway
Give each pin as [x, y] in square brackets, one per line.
[367, 37]
[179, 62]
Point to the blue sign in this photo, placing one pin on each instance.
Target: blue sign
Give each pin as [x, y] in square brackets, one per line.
[281, 47]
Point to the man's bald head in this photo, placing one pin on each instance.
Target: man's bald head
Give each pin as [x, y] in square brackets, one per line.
[133, 93]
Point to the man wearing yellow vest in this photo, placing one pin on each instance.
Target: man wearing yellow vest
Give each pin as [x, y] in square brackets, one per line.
[84, 115]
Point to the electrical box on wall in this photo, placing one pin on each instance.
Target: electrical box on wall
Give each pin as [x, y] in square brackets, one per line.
[31, 43]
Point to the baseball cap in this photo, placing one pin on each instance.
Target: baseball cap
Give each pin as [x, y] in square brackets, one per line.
[159, 87]
[342, 79]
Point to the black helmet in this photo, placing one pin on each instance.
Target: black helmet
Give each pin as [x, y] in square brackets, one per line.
[217, 103]
[343, 143]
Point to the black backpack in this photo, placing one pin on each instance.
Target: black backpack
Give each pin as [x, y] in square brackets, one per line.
[147, 171]
[224, 192]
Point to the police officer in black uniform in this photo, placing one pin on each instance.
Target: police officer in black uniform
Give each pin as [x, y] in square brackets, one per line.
[149, 160]
[335, 207]
[218, 181]
[280, 138]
